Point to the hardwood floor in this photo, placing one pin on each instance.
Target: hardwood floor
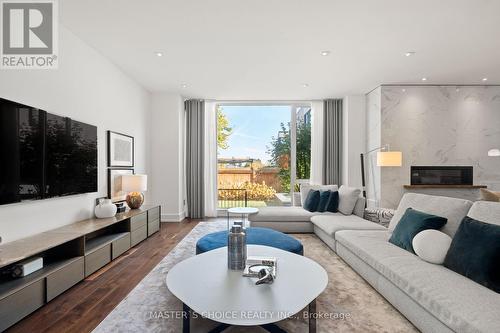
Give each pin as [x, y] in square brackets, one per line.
[84, 306]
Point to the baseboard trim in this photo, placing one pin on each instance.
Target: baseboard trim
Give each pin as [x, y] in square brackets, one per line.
[173, 217]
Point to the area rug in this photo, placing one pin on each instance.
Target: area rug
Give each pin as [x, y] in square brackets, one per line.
[352, 304]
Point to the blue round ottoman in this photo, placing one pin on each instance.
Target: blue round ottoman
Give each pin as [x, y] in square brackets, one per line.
[255, 236]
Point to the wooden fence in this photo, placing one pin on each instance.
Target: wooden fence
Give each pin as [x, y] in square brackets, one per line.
[227, 177]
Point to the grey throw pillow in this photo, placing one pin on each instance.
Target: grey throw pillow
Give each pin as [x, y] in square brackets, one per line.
[305, 188]
[347, 199]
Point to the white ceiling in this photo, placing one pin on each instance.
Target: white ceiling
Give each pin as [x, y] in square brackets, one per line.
[267, 49]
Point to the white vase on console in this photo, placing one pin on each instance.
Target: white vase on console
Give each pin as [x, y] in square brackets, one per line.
[105, 209]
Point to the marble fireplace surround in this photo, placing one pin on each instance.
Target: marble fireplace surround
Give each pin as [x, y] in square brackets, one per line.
[432, 125]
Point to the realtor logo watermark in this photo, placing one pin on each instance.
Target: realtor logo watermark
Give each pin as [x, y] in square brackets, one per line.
[29, 34]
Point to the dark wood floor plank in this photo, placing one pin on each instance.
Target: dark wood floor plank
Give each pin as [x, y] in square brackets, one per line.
[84, 306]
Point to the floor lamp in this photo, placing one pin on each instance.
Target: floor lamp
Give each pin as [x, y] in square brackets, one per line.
[385, 158]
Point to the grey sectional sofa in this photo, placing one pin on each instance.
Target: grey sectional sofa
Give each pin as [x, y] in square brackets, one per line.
[296, 219]
[432, 297]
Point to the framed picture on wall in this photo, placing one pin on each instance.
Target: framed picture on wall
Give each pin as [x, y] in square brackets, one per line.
[115, 192]
[120, 150]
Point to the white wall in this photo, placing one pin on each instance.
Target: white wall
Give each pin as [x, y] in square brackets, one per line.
[438, 125]
[89, 88]
[354, 141]
[373, 140]
[167, 158]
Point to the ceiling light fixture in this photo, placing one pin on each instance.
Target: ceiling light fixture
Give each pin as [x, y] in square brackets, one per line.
[305, 85]
[184, 85]
[410, 53]
[159, 54]
[485, 79]
[403, 90]
[424, 79]
[325, 53]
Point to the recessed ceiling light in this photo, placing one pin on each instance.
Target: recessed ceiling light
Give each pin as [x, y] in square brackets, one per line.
[159, 54]
[403, 90]
[410, 53]
[424, 79]
[494, 152]
[305, 85]
[485, 79]
[325, 53]
[184, 85]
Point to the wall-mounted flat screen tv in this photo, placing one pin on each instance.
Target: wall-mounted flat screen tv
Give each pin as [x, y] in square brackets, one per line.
[44, 155]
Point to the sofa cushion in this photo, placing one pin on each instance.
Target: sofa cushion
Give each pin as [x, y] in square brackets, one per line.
[360, 242]
[305, 188]
[475, 253]
[431, 245]
[283, 214]
[332, 205]
[324, 196]
[312, 201]
[348, 196]
[413, 222]
[488, 212]
[330, 224]
[359, 209]
[452, 208]
[458, 302]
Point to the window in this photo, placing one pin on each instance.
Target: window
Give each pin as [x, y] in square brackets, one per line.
[264, 152]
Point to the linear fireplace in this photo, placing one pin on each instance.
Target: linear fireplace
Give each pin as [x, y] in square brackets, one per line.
[441, 175]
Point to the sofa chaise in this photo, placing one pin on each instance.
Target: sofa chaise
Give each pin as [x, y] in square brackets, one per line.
[432, 297]
[296, 219]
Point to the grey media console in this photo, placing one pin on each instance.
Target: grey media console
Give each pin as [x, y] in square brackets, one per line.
[70, 254]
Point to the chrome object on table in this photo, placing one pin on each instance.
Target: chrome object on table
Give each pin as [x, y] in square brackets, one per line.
[236, 248]
[265, 276]
[263, 268]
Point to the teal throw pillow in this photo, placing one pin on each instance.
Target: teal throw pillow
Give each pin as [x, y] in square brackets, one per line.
[312, 201]
[412, 222]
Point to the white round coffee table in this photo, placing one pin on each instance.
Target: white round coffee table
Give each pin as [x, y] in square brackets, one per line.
[243, 211]
[205, 285]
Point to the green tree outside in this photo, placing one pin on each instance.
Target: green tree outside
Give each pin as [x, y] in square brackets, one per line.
[279, 150]
[223, 129]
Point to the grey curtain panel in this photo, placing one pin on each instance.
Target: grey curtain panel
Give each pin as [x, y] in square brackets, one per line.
[332, 153]
[195, 124]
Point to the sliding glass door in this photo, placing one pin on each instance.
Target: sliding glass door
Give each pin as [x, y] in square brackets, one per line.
[302, 150]
[264, 152]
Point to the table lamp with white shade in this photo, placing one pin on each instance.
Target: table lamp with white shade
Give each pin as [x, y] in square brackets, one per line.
[134, 185]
